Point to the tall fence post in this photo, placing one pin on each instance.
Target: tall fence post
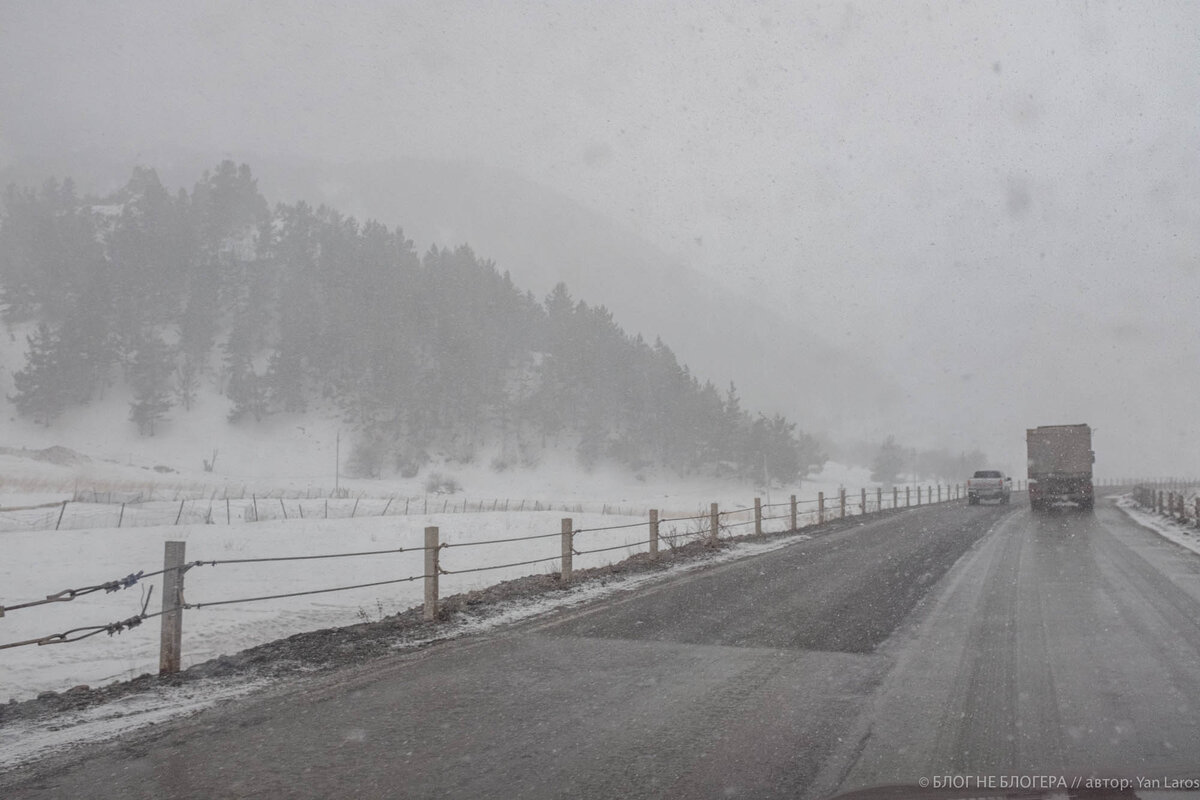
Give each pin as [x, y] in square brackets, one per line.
[820, 508]
[568, 551]
[794, 525]
[654, 533]
[714, 520]
[758, 516]
[895, 497]
[170, 649]
[842, 499]
[432, 566]
[907, 496]
[862, 502]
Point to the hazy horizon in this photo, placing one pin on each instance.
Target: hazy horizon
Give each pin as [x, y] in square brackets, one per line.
[998, 206]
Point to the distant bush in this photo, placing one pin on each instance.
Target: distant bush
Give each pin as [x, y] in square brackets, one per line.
[437, 483]
[367, 459]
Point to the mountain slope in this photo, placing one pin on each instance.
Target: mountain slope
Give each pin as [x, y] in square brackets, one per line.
[542, 237]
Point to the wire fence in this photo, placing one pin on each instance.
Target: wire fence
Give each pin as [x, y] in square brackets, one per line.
[1178, 500]
[671, 531]
[87, 510]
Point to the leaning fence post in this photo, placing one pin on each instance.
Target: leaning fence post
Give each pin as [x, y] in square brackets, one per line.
[431, 572]
[758, 516]
[714, 518]
[654, 533]
[171, 637]
[794, 526]
[567, 550]
[61, 511]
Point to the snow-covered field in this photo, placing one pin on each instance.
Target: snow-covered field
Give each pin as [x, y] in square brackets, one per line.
[44, 561]
[157, 490]
[27, 740]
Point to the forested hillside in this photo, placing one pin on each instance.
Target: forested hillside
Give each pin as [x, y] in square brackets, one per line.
[297, 309]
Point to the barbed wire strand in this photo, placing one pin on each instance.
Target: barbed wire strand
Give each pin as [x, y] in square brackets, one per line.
[498, 566]
[110, 628]
[67, 595]
[502, 541]
[301, 594]
[615, 527]
[221, 561]
[614, 547]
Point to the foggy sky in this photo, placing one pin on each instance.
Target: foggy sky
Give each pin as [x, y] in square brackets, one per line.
[999, 202]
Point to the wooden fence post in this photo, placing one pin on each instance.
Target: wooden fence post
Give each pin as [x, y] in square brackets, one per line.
[714, 519]
[758, 516]
[170, 649]
[907, 496]
[879, 498]
[862, 502]
[61, 511]
[432, 566]
[820, 508]
[794, 527]
[895, 497]
[567, 551]
[654, 533]
[939, 493]
[842, 498]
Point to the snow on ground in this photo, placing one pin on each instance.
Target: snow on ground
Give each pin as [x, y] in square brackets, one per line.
[1184, 535]
[136, 483]
[43, 562]
[158, 490]
[27, 740]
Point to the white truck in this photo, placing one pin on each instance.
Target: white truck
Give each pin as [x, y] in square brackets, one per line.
[988, 484]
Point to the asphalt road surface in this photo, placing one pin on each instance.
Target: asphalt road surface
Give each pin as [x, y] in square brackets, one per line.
[951, 640]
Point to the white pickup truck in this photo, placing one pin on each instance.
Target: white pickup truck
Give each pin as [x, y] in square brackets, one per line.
[988, 484]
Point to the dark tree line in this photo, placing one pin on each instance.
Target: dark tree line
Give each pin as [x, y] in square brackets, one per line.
[297, 308]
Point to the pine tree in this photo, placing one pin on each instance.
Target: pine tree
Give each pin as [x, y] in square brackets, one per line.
[40, 385]
[149, 372]
[888, 463]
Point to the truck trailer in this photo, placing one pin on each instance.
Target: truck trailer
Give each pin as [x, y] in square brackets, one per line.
[1060, 466]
